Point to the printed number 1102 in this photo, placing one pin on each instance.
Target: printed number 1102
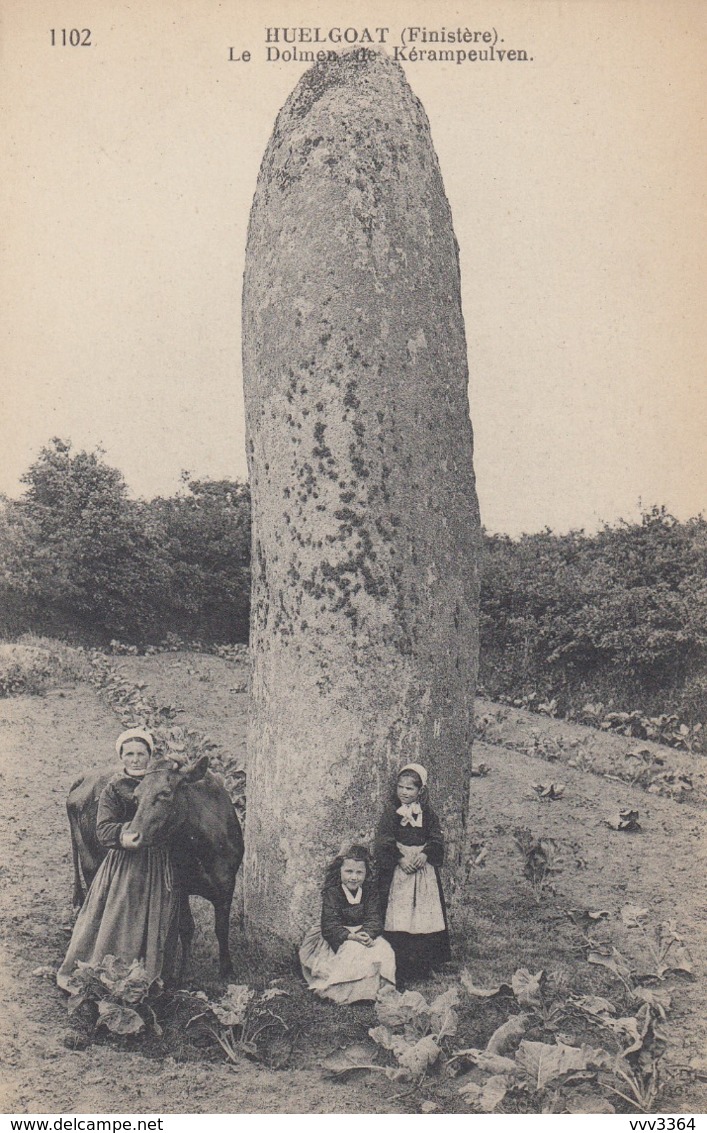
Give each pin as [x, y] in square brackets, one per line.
[70, 37]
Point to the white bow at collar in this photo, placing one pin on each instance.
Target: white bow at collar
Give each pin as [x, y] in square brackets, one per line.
[411, 814]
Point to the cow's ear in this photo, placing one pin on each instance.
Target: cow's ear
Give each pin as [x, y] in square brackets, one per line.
[195, 771]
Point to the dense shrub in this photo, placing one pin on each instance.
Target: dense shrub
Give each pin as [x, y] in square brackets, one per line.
[620, 616]
[78, 554]
[205, 536]
[80, 559]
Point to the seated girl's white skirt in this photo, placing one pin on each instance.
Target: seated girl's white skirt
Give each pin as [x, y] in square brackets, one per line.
[414, 903]
[352, 973]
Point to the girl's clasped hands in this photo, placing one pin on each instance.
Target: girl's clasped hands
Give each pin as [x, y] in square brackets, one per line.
[412, 862]
[361, 937]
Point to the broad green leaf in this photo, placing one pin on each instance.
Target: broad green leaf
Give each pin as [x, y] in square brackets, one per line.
[506, 1036]
[232, 1008]
[112, 968]
[413, 1057]
[486, 1098]
[635, 1028]
[388, 1039]
[340, 1063]
[624, 820]
[443, 1018]
[527, 988]
[616, 963]
[45, 971]
[362, 1051]
[344, 1062]
[394, 1009]
[594, 1004]
[584, 918]
[472, 1092]
[676, 954]
[134, 986]
[467, 981]
[549, 790]
[76, 1001]
[543, 1063]
[627, 820]
[494, 1063]
[657, 998]
[121, 1020]
[490, 1063]
[417, 1058]
[449, 998]
[85, 980]
[493, 1093]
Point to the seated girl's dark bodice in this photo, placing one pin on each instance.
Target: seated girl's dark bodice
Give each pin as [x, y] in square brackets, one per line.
[338, 915]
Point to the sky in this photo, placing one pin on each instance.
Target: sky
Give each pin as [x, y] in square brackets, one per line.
[576, 181]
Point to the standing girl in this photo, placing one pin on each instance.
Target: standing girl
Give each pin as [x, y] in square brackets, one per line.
[132, 909]
[345, 957]
[409, 852]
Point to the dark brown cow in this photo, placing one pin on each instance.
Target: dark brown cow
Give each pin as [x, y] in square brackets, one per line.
[190, 806]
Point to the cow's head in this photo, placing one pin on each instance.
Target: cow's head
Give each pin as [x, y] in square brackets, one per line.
[161, 799]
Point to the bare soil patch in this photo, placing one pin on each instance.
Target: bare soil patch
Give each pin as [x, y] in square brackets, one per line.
[207, 691]
[46, 742]
[499, 925]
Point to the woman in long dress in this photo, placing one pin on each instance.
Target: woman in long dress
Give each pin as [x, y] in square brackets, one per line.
[345, 957]
[131, 910]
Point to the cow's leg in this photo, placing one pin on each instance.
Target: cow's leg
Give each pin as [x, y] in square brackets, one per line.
[78, 894]
[186, 936]
[222, 911]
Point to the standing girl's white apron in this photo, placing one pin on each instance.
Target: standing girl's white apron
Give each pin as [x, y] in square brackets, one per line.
[414, 903]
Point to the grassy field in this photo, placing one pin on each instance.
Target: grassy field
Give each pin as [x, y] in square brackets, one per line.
[582, 887]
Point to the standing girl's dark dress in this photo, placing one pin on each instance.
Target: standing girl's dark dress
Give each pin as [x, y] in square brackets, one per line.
[132, 908]
[415, 916]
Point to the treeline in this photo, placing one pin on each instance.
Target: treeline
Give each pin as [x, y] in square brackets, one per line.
[80, 559]
[618, 617]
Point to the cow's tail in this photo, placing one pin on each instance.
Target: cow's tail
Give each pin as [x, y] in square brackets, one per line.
[78, 894]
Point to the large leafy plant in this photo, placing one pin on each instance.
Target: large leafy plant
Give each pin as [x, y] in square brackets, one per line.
[238, 1018]
[123, 994]
[411, 1030]
[517, 1068]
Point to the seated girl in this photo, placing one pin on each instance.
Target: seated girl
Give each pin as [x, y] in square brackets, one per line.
[346, 958]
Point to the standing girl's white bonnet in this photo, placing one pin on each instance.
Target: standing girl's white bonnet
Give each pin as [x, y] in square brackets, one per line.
[419, 770]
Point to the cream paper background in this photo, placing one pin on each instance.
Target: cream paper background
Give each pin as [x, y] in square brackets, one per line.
[576, 183]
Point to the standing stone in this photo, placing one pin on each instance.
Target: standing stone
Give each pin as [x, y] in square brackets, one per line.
[364, 627]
